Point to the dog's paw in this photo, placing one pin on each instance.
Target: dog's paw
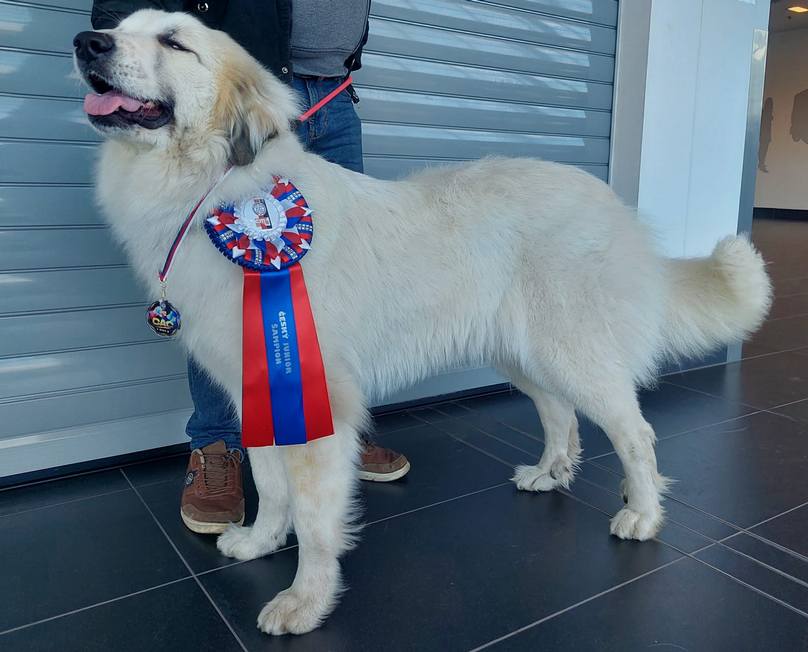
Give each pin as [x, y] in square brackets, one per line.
[245, 543]
[290, 613]
[628, 524]
[540, 478]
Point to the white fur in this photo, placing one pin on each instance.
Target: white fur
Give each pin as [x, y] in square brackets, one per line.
[533, 267]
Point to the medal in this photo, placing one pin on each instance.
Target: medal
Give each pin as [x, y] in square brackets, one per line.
[163, 318]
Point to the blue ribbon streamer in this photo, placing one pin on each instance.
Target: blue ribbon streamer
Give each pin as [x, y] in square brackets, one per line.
[283, 360]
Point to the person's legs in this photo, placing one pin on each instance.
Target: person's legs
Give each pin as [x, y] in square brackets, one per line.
[214, 416]
[335, 133]
[212, 497]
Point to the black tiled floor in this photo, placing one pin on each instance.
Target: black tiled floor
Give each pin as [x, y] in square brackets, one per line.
[442, 468]
[199, 551]
[167, 469]
[797, 410]
[174, 617]
[453, 583]
[789, 530]
[790, 305]
[742, 471]
[783, 334]
[684, 606]
[763, 382]
[454, 557]
[74, 555]
[756, 575]
[670, 410]
[42, 494]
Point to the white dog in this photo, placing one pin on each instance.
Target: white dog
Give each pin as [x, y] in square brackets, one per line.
[532, 267]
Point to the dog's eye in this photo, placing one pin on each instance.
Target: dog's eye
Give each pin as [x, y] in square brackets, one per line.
[170, 42]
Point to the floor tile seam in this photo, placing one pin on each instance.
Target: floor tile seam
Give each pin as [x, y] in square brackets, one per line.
[738, 532]
[769, 320]
[721, 398]
[186, 564]
[684, 432]
[751, 587]
[587, 504]
[65, 502]
[510, 427]
[580, 603]
[790, 295]
[667, 518]
[738, 528]
[473, 447]
[95, 604]
[787, 404]
[363, 525]
[671, 497]
[239, 562]
[456, 404]
[777, 546]
[759, 562]
[79, 474]
[794, 349]
[580, 500]
[438, 503]
[639, 577]
[420, 424]
[482, 431]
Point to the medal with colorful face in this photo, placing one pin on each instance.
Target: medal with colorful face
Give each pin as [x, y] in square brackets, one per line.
[163, 318]
[284, 391]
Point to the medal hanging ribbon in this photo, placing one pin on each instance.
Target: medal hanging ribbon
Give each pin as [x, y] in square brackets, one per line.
[284, 390]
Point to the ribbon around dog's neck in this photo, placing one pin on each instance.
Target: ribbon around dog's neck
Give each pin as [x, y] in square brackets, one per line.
[284, 390]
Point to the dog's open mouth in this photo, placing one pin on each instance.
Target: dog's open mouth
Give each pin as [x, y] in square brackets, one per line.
[109, 107]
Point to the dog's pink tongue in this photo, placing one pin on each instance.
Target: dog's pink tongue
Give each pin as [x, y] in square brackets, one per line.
[109, 102]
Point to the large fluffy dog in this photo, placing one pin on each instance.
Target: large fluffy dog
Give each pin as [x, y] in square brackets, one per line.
[532, 267]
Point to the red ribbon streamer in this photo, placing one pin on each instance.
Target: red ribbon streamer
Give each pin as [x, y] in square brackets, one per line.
[316, 406]
[256, 409]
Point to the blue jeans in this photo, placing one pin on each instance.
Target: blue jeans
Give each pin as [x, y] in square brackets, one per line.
[335, 133]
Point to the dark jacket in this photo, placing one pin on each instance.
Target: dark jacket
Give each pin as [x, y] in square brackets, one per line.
[262, 27]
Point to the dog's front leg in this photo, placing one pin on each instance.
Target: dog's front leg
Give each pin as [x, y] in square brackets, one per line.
[273, 522]
[322, 477]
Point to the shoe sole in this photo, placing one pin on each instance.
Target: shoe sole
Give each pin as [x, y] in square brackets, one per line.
[201, 527]
[369, 476]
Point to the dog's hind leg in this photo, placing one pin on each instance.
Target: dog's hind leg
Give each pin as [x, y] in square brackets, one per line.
[562, 447]
[633, 440]
[601, 390]
[322, 479]
[273, 522]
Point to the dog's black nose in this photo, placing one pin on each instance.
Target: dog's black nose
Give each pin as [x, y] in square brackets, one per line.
[91, 45]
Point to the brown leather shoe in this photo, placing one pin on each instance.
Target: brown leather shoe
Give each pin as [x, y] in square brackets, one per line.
[213, 496]
[382, 464]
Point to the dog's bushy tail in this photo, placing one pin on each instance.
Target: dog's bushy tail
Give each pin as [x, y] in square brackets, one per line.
[717, 300]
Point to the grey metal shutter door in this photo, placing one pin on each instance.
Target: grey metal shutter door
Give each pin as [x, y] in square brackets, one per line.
[81, 377]
[449, 80]
[452, 80]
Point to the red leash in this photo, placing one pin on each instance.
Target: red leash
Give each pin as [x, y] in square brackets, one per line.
[305, 116]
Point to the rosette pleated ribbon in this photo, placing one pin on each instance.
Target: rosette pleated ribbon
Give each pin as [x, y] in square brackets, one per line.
[284, 389]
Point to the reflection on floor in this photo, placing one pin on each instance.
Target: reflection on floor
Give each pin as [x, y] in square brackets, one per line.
[453, 557]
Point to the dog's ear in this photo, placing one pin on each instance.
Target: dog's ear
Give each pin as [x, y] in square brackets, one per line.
[251, 107]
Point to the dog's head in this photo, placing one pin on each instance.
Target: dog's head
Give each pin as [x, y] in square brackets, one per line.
[165, 80]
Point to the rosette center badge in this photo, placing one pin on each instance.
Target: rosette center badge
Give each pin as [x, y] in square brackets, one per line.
[265, 232]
